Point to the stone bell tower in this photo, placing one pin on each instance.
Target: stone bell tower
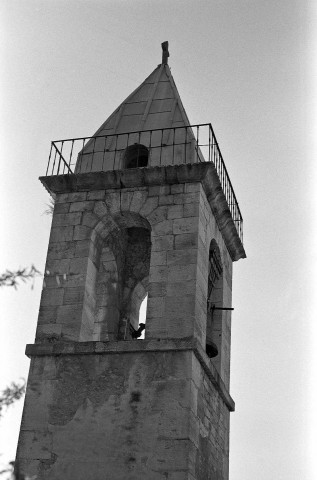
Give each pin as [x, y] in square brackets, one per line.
[144, 208]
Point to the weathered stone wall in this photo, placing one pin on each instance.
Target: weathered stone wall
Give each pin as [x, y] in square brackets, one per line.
[180, 235]
[149, 413]
[99, 406]
[211, 417]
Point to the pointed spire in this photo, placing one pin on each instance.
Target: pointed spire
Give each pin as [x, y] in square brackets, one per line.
[154, 106]
[165, 53]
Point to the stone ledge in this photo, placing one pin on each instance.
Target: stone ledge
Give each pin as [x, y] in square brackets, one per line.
[205, 173]
[136, 346]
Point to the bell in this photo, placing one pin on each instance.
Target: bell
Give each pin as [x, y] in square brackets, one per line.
[211, 349]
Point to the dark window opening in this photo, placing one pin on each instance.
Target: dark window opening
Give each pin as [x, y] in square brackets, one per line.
[213, 297]
[135, 278]
[136, 156]
[122, 284]
[215, 271]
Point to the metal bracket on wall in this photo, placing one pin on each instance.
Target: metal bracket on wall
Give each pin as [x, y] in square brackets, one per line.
[213, 307]
[222, 308]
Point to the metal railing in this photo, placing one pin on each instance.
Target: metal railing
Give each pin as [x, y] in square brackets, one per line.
[166, 146]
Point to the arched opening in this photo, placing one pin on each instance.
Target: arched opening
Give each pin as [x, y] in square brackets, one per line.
[136, 156]
[214, 301]
[122, 283]
[135, 279]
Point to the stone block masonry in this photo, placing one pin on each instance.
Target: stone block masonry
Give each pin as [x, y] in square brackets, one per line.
[178, 228]
[139, 410]
[99, 405]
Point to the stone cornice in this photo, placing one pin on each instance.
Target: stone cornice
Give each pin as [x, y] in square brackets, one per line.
[205, 173]
[136, 346]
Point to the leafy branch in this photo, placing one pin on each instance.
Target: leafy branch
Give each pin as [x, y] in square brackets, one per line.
[50, 207]
[12, 393]
[11, 278]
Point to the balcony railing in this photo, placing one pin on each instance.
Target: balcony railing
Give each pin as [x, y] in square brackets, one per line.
[166, 146]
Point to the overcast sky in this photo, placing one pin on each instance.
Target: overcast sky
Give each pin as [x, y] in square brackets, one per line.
[246, 66]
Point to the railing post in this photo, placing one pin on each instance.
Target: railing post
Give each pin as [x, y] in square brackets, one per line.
[137, 158]
[161, 146]
[61, 157]
[209, 146]
[59, 162]
[53, 143]
[150, 146]
[71, 154]
[115, 152]
[82, 154]
[49, 159]
[104, 153]
[93, 153]
[197, 143]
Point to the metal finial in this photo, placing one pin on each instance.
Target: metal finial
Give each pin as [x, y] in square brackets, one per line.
[165, 53]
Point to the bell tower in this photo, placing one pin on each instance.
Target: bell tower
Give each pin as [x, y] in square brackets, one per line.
[143, 208]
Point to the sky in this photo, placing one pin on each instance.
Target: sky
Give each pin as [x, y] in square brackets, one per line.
[249, 68]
